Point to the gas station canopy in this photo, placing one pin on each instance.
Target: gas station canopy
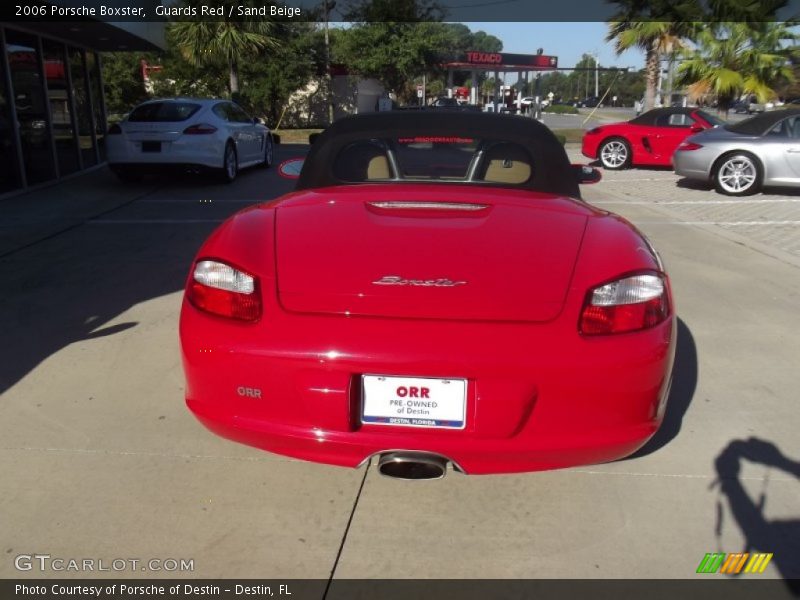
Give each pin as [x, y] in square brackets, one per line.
[502, 61]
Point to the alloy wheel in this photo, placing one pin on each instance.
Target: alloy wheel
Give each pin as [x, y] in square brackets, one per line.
[614, 154]
[737, 175]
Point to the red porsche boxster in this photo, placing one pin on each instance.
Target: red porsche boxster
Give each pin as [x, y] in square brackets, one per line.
[433, 292]
[648, 140]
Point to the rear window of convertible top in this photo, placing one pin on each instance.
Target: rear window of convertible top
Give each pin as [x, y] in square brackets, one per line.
[163, 111]
[433, 158]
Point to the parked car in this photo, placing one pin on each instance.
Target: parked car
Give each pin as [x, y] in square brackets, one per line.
[754, 106]
[188, 133]
[530, 100]
[741, 158]
[433, 291]
[649, 139]
[445, 102]
[741, 107]
[590, 102]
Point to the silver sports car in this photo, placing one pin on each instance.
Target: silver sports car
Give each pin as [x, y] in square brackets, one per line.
[741, 158]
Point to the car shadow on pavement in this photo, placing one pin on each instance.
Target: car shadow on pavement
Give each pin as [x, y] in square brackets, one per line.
[79, 298]
[694, 184]
[656, 168]
[75, 286]
[780, 537]
[703, 186]
[684, 384]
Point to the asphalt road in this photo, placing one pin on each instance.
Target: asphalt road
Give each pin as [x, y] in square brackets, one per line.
[100, 459]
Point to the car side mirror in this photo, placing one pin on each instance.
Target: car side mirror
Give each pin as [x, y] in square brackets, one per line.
[290, 169]
[586, 174]
[696, 128]
[258, 121]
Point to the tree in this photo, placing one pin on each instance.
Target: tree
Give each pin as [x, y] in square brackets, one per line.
[274, 75]
[396, 53]
[736, 58]
[228, 41]
[657, 27]
[122, 80]
[791, 89]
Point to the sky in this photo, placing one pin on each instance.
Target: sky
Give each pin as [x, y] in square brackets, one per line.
[567, 41]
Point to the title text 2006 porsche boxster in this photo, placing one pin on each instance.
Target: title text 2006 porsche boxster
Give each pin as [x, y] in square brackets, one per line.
[433, 292]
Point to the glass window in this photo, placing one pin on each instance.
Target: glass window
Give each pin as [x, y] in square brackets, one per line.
[793, 126]
[30, 100]
[437, 157]
[680, 120]
[221, 110]
[673, 120]
[9, 174]
[237, 114]
[163, 112]
[83, 110]
[779, 130]
[434, 158]
[55, 72]
[363, 161]
[92, 65]
[709, 118]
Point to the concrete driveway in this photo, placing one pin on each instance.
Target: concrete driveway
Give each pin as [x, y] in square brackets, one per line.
[101, 460]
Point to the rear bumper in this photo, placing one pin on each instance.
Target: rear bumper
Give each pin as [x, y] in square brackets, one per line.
[694, 164]
[351, 449]
[538, 398]
[205, 152]
[158, 167]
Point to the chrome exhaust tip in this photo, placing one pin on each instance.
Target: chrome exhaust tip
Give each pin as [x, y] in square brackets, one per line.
[412, 465]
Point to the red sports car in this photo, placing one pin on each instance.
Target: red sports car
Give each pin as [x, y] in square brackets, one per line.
[434, 291]
[649, 139]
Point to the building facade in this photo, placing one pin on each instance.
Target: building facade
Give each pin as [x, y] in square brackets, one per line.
[52, 109]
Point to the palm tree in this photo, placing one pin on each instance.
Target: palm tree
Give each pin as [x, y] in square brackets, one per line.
[659, 27]
[732, 59]
[228, 41]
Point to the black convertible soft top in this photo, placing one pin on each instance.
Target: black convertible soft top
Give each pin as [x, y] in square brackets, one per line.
[761, 124]
[649, 118]
[552, 172]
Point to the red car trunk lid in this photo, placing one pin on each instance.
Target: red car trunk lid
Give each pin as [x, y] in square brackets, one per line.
[386, 251]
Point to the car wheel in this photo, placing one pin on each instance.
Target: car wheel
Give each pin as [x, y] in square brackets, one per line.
[230, 163]
[268, 152]
[615, 154]
[737, 174]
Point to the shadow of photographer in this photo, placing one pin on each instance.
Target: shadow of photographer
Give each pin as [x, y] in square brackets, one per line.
[781, 537]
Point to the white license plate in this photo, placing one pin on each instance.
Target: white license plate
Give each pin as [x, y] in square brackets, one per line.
[414, 401]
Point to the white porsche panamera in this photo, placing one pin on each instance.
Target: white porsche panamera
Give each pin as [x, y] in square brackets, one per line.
[188, 133]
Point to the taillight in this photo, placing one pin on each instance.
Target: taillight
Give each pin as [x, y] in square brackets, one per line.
[685, 146]
[114, 129]
[199, 129]
[628, 304]
[222, 290]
